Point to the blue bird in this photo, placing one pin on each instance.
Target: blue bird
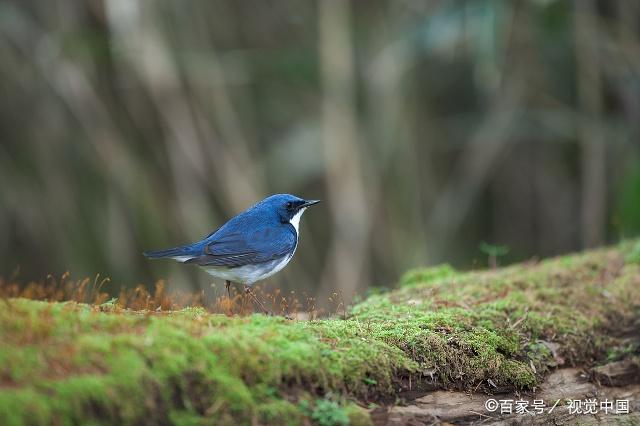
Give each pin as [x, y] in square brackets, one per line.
[252, 246]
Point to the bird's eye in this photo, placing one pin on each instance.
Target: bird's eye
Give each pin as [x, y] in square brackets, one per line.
[289, 205]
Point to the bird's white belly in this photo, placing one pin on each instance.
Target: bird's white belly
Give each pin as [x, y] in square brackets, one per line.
[249, 274]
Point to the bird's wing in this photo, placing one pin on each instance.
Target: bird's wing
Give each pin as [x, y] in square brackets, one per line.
[235, 248]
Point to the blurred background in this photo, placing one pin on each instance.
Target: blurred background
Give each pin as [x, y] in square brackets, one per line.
[435, 131]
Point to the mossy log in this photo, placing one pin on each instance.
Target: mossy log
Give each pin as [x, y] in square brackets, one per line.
[492, 331]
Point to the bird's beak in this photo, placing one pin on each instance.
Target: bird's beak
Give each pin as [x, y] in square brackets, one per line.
[308, 203]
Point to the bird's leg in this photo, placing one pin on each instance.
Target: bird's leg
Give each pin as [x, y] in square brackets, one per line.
[247, 290]
[227, 284]
[230, 302]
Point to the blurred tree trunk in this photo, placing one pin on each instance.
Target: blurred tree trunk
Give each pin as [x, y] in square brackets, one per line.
[346, 190]
[590, 128]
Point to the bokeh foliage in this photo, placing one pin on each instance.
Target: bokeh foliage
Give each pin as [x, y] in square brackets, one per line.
[427, 127]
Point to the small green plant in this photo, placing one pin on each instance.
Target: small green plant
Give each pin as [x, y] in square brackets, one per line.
[493, 252]
[633, 255]
[329, 413]
[617, 353]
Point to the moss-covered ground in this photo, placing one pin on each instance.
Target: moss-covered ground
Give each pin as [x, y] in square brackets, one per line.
[69, 363]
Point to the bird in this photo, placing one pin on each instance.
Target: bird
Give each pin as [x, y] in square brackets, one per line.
[250, 247]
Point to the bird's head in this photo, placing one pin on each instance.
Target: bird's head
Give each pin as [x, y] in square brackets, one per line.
[289, 207]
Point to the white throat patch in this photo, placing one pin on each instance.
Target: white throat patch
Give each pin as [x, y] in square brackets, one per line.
[295, 220]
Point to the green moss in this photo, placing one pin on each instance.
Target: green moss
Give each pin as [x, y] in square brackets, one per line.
[424, 276]
[474, 330]
[185, 418]
[469, 328]
[357, 415]
[280, 411]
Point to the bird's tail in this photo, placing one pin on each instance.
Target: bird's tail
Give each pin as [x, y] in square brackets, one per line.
[182, 253]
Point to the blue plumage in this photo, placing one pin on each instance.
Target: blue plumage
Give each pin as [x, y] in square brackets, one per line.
[252, 246]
